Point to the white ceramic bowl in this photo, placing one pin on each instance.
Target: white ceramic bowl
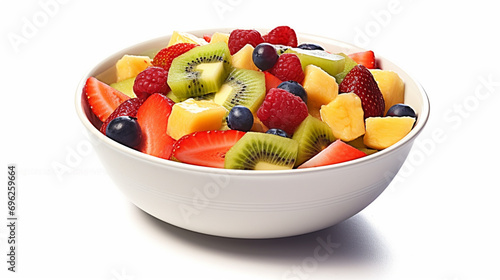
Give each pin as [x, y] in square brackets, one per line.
[249, 204]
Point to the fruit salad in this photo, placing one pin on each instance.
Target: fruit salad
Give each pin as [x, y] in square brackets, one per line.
[252, 101]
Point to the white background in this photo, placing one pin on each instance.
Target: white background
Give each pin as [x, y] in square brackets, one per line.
[439, 219]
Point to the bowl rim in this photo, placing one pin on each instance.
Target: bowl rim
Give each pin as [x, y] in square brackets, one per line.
[410, 137]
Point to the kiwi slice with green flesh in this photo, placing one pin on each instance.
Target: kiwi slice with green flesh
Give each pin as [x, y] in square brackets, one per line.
[313, 136]
[349, 64]
[126, 87]
[358, 144]
[262, 151]
[329, 62]
[199, 71]
[242, 87]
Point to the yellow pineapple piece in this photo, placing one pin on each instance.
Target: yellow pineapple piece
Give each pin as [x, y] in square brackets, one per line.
[391, 86]
[130, 65]
[194, 115]
[219, 37]
[321, 88]
[382, 132]
[243, 58]
[184, 37]
[345, 117]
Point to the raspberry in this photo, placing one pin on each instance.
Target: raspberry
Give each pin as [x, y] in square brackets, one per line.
[165, 56]
[288, 68]
[282, 110]
[240, 37]
[152, 80]
[282, 35]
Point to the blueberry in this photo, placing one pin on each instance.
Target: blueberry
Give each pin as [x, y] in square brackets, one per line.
[294, 88]
[124, 130]
[401, 110]
[279, 132]
[310, 46]
[240, 118]
[264, 56]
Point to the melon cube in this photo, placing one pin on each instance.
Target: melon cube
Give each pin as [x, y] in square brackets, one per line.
[345, 116]
[194, 115]
[383, 132]
[243, 58]
[391, 86]
[130, 65]
[321, 88]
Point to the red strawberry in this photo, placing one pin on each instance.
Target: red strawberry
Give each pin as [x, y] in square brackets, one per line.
[336, 152]
[360, 81]
[127, 108]
[207, 38]
[282, 35]
[271, 81]
[240, 37]
[206, 148]
[165, 56]
[282, 110]
[102, 98]
[151, 80]
[153, 119]
[366, 58]
[288, 68]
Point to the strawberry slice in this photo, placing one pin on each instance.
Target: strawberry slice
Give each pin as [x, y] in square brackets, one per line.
[103, 99]
[336, 152]
[129, 108]
[153, 119]
[206, 148]
[165, 56]
[360, 81]
[271, 81]
[366, 58]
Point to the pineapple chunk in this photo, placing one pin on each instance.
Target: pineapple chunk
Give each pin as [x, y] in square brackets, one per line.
[243, 58]
[321, 88]
[391, 86]
[131, 65]
[219, 37]
[345, 116]
[382, 132]
[194, 115]
[184, 37]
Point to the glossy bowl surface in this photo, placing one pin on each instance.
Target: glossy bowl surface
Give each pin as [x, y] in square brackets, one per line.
[249, 204]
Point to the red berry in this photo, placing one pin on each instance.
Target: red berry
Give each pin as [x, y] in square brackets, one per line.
[206, 148]
[165, 56]
[127, 108]
[151, 80]
[282, 35]
[282, 110]
[152, 117]
[336, 152]
[366, 58]
[288, 68]
[240, 37]
[360, 81]
[102, 98]
[271, 81]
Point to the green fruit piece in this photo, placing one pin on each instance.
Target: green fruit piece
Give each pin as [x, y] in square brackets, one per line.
[349, 64]
[199, 71]
[242, 87]
[358, 144]
[313, 136]
[173, 97]
[331, 63]
[262, 151]
[126, 87]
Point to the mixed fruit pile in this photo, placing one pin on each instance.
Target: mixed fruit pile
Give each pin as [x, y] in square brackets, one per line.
[253, 101]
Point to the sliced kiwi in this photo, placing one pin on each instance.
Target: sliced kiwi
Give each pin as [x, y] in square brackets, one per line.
[331, 63]
[313, 136]
[348, 65]
[125, 86]
[262, 151]
[199, 71]
[242, 87]
[358, 144]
